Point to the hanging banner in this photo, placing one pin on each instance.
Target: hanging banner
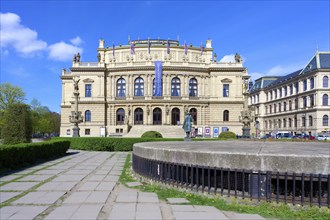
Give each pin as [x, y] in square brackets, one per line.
[158, 78]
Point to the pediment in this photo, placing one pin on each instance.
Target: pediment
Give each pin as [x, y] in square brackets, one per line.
[226, 80]
[88, 80]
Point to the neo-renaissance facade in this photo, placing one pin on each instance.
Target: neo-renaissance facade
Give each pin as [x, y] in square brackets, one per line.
[150, 85]
[297, 102]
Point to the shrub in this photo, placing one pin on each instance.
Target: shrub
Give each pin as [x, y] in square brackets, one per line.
[151, 134]
[109, 144]
[227, 135]
[17, 124]
[13, 156]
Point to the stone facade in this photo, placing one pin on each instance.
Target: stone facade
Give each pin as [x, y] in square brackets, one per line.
[298, 102]
[117, 92]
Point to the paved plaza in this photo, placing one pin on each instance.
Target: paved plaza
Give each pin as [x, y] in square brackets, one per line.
[85, 185]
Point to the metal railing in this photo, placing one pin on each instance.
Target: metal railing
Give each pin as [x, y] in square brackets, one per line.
[294, 188]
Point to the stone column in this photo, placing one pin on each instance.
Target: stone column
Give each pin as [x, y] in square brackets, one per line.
[63, 93]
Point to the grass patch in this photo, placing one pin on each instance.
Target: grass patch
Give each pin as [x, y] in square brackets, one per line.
[265, 209]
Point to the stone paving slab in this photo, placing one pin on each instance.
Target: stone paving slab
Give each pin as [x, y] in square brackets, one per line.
[96, 177]
[21, 212]
[115, 173]
[63, 212]
[88, 186]
[127, 197]
[147, 197]
[9, 178]
[48, 172]
[35, 178]
[87, 212]
[39, 198]
[56, 186]
[177, 200]
[111, 178]
[101, 172]
[239, 216]
[65, 178]
[196, 212]
[18, 186]
[123, 211]
[87, 197]
[106, 186]
[132, 184]
[4, 196]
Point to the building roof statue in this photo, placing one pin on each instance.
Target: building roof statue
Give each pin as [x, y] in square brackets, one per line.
[238, 58]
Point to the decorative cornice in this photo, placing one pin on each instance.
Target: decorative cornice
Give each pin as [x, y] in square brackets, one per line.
[88, 80]
[226, 80]
[66, 77]
[87, 69]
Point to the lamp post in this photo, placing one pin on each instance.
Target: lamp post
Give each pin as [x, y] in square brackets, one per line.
[76, 116]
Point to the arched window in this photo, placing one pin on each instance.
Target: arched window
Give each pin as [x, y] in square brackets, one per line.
[225, 115]
[175, 87]
[303, 121]
[138, 116]
[157, 116]
[154, 89]
[193, 87]
[175, 116]
[139, 87]
[121, 87]
[87, 115]
[325, 100]
[284, 123]
[325, 82]
[120, 116]
[279, 123]
[270, 124]
[310, 120]
[290, 122]
[193, 113]
[325, 120]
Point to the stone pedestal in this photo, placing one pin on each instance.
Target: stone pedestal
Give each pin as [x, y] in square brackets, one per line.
[76, 132]
[187, 139]
[246, 132]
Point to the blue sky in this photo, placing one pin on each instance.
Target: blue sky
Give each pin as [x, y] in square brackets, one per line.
[39, 38]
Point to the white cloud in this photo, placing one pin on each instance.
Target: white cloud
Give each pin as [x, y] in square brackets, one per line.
[278, 71]
[25, 40]
[228, 58]
[62, 51]
[76, 41]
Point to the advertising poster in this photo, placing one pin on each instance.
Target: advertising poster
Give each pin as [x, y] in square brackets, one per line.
[215, 132]
[207, 131]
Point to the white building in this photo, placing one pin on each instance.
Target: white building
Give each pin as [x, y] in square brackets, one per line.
[121, 94]
[297, 102]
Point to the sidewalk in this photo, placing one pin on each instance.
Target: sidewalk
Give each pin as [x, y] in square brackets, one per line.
[84, 185]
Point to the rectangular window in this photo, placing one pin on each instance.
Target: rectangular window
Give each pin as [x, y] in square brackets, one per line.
[303, 121]
[311, 83]
[274, 108]
[297, 87]
[311, 100]
[305, 101]
[88, 90]
[279, 107]
[280, 92]
[291, 89]
[225, 91]
[290, 105]
[270, 109]
[275, 93]
[284, 106]
[87, 131]
[285, 91]
[305, 84]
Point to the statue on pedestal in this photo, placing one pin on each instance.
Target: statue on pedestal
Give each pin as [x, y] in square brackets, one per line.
[187, 124]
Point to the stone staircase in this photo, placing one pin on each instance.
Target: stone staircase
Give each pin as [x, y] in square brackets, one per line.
[167, 131]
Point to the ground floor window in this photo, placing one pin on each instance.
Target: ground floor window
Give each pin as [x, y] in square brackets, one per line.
[87, 131]
[193, 113]
[157, 116]
[120, 116]
[138, 116]
[175, 116]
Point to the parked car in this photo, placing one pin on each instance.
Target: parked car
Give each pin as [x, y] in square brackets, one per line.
[309, 137]
[322, 137]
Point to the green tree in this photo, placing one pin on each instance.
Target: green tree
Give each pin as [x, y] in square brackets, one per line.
[17, 127]
[10, 95]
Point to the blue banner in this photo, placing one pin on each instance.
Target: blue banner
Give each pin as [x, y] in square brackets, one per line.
[158, 78]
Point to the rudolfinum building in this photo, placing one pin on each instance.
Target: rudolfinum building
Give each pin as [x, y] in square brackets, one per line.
[149, 85]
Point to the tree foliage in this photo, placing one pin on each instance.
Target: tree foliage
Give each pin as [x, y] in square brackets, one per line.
[9, 95]
[17, 127]
[43, 120]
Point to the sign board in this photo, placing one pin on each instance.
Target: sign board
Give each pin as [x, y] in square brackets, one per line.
[215, 132]
[207, 132]
[200, 131]
[102, 131]
[223, 129]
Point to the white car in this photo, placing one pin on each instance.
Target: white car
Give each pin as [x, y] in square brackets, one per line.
[321, 137]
